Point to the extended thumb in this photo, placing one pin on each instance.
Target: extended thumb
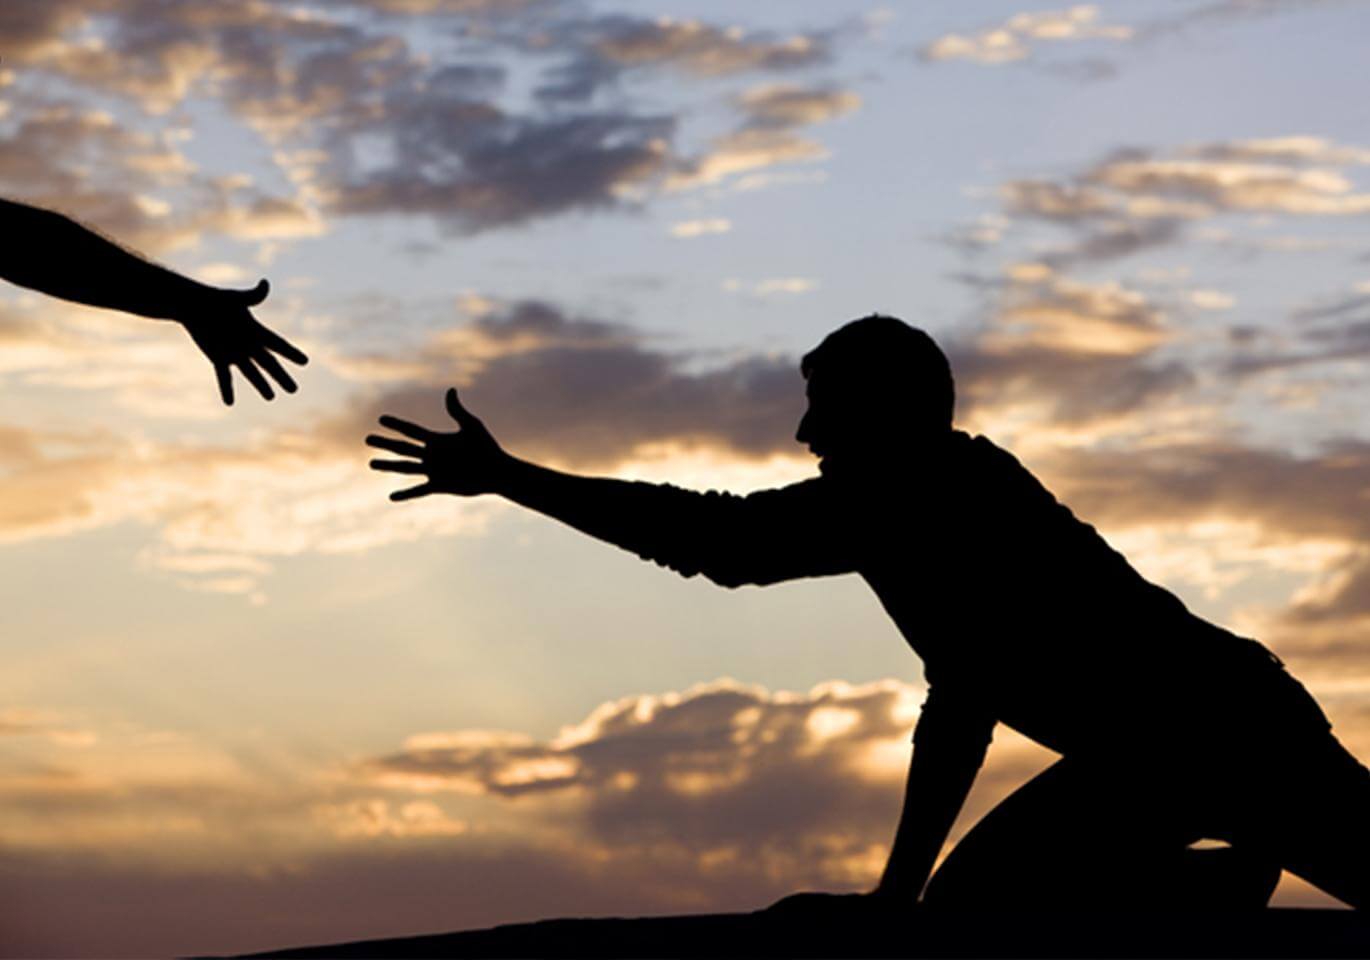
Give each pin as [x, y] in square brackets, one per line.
[250, 298]
[455, 410]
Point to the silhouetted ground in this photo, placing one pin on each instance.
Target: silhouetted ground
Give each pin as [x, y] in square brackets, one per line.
[1273, 933]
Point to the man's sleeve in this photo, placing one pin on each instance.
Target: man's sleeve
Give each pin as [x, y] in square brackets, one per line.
[764, 537]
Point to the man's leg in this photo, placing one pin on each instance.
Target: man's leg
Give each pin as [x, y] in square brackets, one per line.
[1095, 837]
[1314, 816]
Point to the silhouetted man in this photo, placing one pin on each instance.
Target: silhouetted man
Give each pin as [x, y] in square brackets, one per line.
[1170, 729]
[46, 251]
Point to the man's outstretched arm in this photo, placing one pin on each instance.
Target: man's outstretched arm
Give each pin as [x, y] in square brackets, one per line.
[731, 540]
[48, 252]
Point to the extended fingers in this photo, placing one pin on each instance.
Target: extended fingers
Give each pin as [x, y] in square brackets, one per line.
[225, 377]
[398, 466]
[274, 341]
[254, 377]
[422, 490]
[277, 372]
[411, 430]
[394, 446]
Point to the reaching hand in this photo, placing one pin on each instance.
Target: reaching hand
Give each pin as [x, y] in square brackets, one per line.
[230, 336]
[467, 462]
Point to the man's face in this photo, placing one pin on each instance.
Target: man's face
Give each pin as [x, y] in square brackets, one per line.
[828, 426]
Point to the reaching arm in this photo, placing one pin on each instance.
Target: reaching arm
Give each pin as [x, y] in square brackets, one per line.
[949, 747]
[761, 538]
[57, 256]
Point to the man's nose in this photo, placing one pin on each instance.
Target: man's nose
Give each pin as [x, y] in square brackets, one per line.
[802, 433]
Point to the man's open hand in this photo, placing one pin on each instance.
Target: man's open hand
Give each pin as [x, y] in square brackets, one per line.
[467, 462]
[224, 328]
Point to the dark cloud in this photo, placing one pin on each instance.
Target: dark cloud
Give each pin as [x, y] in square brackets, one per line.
[787, 106]
[1337, 309]
[586, 392]
[700, 47]
[1077, 352]
[476, 167]
[583, 391]
[1314, 497]
[366, 125]
[1332, 331]
[1076, 389]
[29, 27]
[1136, 199]
[1346, 599]
[79, 162]
[1113, 239]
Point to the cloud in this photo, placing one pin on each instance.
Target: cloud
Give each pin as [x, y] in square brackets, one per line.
[136, 186]
[1270, 176]
[767, 136]
[20, 722]
[28, 28]
[701, 48]
[1073, 353]
[795, 788]
[786, 105]
[1016, 37]
[1227, 185]
[362, 124]
[1257, 509]
[217, 512]
[478, 168]
[771, 287]
[721, 797]
[1295, 150]
[586, 392]
[744, 151]
[688, 229]
[1135, 199]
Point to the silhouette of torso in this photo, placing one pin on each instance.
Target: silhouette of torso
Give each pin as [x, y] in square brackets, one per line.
[1020, 612]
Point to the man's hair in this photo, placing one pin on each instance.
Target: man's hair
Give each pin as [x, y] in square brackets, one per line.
[885, 357]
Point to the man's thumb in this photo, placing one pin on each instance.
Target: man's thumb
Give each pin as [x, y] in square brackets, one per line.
[250, 298]
[456, 411]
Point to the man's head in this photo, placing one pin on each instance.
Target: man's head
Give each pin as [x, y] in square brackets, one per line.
[873, 383]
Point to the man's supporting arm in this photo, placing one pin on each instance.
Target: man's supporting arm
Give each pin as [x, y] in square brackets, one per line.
[53, 254]
[949, 748]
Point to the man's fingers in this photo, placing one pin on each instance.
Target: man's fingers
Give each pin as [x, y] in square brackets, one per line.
[394, 446]
[457, 412]
[398, 466]
[421, 490]
[225, 377]
[274, 341]
[411, 430]
[274, 369]
[254, 377]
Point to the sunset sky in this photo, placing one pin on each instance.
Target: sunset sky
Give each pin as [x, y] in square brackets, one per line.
[247, 702]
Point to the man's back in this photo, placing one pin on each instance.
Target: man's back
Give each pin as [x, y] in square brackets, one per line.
[1018, 609]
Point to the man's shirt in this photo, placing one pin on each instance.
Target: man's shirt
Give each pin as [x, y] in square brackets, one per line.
[1020, 612]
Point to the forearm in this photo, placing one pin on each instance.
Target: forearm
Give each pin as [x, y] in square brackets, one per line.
[602, 507]
[57, 256]
[933, 798]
